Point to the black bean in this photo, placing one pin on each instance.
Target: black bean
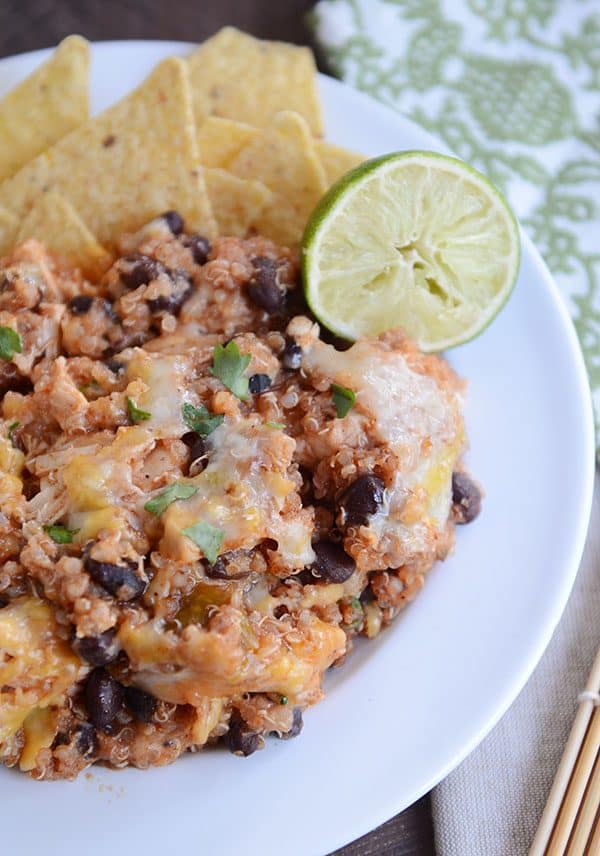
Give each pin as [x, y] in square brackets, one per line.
[198, 246]
[332, 563]
[197, 447]
[116, 366]
[174, 221]
[297, 723]
[103, 699]
[12, 380]
[466, 498]
[86, 740]
[123, 581]
[61, 739]
[109, 311]
[263, 289]
[98, 650]
[140, 703]
[292, 355]
[80, 304]
[218, 569]
[181, 290]
[361, 499]
[139, 270]
[241, 739]
[259, 383]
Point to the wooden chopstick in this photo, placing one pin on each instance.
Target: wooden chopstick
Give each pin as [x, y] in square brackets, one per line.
[588, 811]
[570, 787]
[595, 839]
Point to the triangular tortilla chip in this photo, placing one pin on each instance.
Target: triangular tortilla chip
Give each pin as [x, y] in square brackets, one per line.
[9, 225]
[236, 202]
[336, 160]
[285, 160]
[127, 165]
[221, 139]
[55, 223]
[48, 104]
[236, 76]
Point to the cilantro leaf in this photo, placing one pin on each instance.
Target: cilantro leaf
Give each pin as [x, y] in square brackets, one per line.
[283, 699]
[207, 537]
[343, 398]
[10, 343]
[90, 389]
[60, 534]
[229, 366]
[163, 500]
[275, 425]
[200, 420]
[134, 413]
[11, 429]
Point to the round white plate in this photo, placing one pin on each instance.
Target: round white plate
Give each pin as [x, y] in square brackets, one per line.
[407, 708]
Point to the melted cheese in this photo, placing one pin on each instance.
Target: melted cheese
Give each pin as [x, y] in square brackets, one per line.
[243, 655]
[242, 492]
[406, 406]
[165, 391]
[11, 459]
[413, 415]
[39, 730]
[100, 484]
[36, 665]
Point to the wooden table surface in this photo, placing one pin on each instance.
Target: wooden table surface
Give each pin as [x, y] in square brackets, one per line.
[26, 25]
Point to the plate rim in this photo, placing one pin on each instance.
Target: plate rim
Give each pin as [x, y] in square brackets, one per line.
[383, 810]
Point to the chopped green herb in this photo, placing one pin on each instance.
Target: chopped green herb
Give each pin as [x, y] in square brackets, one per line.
[343, 398]
[229, 366]
[357, 607]
[275, 424]
[175, 491]
[11, 429]
[207, 537]
[200, 420]
[134, 413]
[91, 388]
[60, 534]
[283, 699]
[10, 343]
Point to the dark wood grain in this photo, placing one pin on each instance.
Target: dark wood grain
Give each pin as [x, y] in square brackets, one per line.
[26, 25]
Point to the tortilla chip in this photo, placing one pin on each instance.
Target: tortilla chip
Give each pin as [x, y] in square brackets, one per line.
[285, 160]
[236, 76]
[9, 225]
[48, 104]
[221, 139]
[336, 160]
[236, 202]
[127, 165]
[57, 224]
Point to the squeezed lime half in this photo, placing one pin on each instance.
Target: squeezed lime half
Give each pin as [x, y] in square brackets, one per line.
[414, 240]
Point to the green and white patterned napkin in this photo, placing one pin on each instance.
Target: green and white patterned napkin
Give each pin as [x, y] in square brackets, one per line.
[511, 86]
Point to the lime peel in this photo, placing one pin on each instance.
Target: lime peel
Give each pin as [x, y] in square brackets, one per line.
[413, 240]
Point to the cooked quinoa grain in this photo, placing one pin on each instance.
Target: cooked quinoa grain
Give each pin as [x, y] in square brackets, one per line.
[191, 529]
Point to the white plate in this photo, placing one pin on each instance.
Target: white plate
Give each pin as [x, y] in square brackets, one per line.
[407, 708]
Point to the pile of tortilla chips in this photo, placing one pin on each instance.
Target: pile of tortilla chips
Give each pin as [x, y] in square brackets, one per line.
[230, 137]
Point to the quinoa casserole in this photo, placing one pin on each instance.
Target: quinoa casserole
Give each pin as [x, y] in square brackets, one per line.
[202, 501]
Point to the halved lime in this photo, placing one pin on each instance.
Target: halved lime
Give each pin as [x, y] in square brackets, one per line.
[414, 240]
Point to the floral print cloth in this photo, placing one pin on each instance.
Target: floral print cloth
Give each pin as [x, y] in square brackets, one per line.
[512, 87]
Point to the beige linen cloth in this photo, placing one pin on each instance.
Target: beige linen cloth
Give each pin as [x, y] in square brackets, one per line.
[491, 804]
